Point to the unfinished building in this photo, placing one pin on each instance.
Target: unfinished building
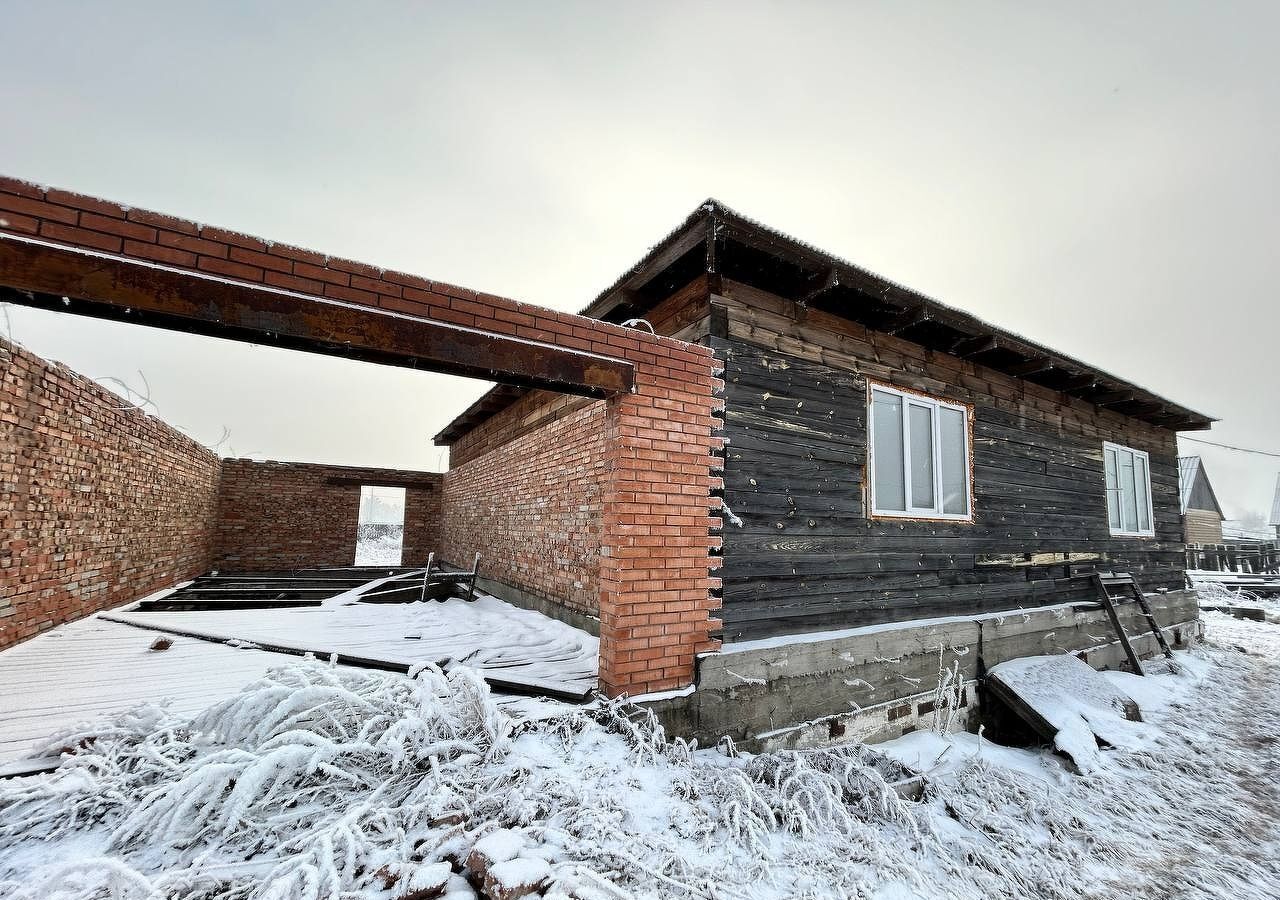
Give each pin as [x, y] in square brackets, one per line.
[904, 487]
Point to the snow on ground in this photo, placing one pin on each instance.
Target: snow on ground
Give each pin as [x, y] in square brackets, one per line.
[517, 645]
[315, 782]
[384, 550]
[80, 670]
[105, 663]
[1216, 594]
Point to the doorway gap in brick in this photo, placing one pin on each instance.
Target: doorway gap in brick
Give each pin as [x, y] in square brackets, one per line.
[380, 528]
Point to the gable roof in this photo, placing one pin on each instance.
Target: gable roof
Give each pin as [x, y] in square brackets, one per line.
[1195, 491]
[716, 240]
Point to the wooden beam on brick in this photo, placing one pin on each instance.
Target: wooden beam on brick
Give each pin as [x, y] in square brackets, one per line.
[418, 484]
[64, 279]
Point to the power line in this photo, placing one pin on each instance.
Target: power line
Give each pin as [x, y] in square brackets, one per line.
[1229, 447]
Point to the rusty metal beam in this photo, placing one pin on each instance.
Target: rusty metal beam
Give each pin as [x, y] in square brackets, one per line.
[64, 279]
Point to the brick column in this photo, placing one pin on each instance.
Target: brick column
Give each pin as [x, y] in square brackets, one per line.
[656, 586]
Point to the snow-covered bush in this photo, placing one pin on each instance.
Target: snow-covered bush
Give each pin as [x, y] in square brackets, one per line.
[323, 782]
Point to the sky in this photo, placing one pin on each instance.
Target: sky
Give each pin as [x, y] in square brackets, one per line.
[1100, 177]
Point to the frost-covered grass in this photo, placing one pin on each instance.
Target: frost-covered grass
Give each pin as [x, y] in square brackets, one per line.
[1214, 594]
[319, 782]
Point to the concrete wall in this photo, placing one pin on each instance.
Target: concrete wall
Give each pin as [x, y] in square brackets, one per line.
[100, 503]
[282, 515]
[878, 682]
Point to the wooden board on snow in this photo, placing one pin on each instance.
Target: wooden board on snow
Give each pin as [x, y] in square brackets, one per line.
[1062, 699]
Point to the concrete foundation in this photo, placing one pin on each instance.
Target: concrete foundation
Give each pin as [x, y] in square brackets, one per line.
[880, 682]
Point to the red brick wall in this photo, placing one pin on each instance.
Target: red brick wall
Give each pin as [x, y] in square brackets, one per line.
[279, 515]
[658, 515]
[99, 505]
[526, 490]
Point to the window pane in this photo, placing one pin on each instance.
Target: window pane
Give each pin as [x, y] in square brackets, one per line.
[889, 484]
[1128, 492]
[1113, 489]
[1143, 492]
[955, 475]
[920, 433]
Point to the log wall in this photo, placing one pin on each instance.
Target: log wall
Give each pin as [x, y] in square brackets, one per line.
[806, 557]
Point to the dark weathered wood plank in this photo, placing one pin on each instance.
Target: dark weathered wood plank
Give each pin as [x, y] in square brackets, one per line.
[807, 557]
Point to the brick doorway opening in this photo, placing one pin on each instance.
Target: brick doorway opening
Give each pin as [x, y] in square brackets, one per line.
[380, 527]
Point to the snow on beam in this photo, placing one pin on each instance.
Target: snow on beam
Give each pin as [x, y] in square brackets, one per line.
[64, 279]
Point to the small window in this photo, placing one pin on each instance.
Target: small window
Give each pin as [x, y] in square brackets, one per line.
[919, 456]
[1128, 490]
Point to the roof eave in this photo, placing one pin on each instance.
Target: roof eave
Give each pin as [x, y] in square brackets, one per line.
[713, 218]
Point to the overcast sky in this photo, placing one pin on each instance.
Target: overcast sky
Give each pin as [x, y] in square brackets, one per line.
[1102, 178]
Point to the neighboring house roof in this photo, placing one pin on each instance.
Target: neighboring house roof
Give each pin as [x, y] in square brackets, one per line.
[1195, 491]
[714, 239]
[1275, 505]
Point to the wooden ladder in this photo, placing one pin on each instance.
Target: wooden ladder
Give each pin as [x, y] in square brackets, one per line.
[1126, 583]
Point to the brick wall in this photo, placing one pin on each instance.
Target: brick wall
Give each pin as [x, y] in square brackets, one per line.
[526, 489]
[657, 512]
[99, 504]
[282, 515]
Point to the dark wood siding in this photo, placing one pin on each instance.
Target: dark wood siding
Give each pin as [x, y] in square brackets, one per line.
[806, 556]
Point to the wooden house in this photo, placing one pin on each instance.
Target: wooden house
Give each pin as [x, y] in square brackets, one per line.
[888, 458]
[1201, 513]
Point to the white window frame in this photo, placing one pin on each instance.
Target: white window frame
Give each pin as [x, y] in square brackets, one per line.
[911, 398]
[1119, 491]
